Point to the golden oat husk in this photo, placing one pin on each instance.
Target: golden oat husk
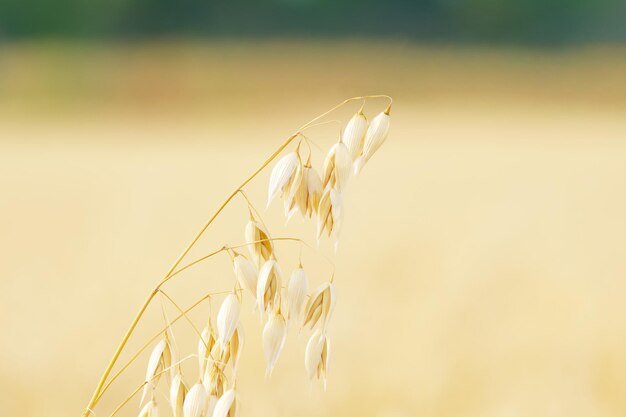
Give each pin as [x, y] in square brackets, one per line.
[320, 305]
[178, 391]
[196, 402]
[337, 167]
[274, 336]
[226, 406]
[269, 286]
[259, 245]
[227, 319]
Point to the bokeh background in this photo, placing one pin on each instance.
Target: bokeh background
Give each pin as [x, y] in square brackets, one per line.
[481, 266]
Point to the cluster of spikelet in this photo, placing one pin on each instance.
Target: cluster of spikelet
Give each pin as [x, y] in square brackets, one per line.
[304, 190]
[260, 276]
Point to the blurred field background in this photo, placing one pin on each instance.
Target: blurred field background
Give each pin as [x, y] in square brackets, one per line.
[481, 266]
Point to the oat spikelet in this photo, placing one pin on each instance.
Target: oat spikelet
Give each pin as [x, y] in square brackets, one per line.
[316, 356]
[268, 286]
[337, 167]
[160, 359]
[274, 336]
[354, 134]
[298, 195]
[330, 213]
[283, 175]
[246, 273]
[306, 193]
[213, 378]
[233, 350]
[149, 410]
[297, 290]
[314, 190]
[226, 406]
[374, 138]
[227, 319]
[320, 306]
[215, 364]
[259, 245]
[205, 344]
[178, 391]
[196, 402]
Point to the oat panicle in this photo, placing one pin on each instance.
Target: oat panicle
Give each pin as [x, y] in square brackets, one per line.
[295, 179]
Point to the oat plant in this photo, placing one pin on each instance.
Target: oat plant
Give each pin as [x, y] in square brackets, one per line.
[280, 298]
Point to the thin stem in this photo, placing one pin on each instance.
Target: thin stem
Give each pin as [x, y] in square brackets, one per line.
[173, 274]
[253, 208]
[191, 323]
[96, 395]
[153, 338]
[130, 397]
[169, 326]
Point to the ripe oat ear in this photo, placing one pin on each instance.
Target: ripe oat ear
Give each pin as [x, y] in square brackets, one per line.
[259, 243]
[149, 410]
[226, 405]
[297, 290]
[235, 347]
[302, 190]
[160, 359]
[374, 137]
[282, 176]
[205, 345]
[178, 391]
[274, 336]
[196, 402]
[314, 191]
[320, 306]
[268, 286]
[337, 167]
[354, 134]
[246, 273]
[227, 319]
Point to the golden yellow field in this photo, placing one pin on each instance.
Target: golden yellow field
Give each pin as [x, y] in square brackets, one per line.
[481, 269]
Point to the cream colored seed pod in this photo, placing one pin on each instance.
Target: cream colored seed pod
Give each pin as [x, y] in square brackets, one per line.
[227, 319]
[217, 358]
[297, 199]
[268, 286]
[246, 273]
[314, 190]
[330, 213]
[259, 245]
[274, 335]
[159, 361]
[226, 406]
[178, 391]
[297, 290]
[374, 137]
[354, 133]
[205, 344]
[213, 376]
[214, 381]
[317, 355]
[149, 410]
[196, 402]
[234, 348]
[320, 306]
[283, 175]
[337, 167]
[307, 194]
